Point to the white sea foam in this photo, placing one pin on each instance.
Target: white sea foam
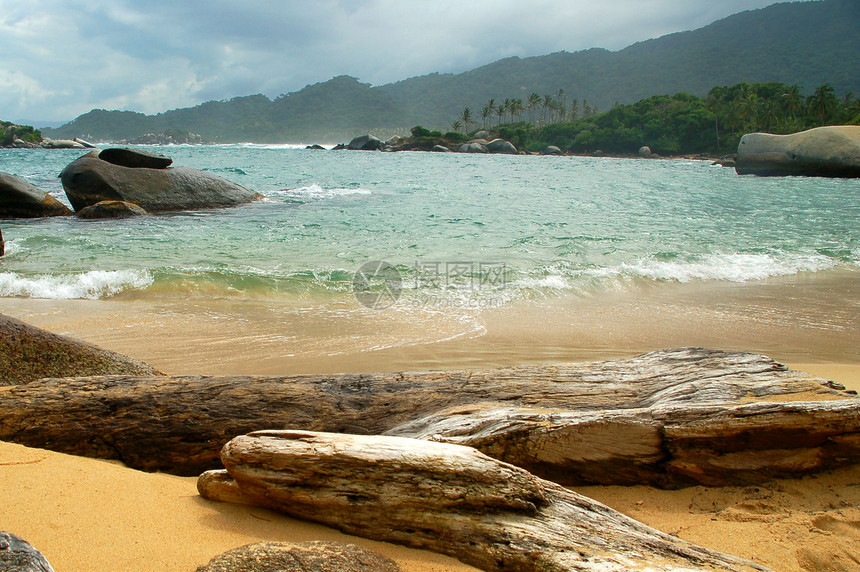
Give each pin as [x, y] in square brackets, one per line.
[88, 285]
[315, 191]
[729, 267]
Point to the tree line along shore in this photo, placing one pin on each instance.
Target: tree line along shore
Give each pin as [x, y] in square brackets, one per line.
[680, 124]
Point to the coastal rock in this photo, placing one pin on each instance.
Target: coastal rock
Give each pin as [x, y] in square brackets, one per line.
[365, 143]
[134, 158]
[20, 199]
[90, 180]
[17, 555]
[482, 134]
[21, 144]
[501, 146]
[28, 353]
[111, 209]
[61, 144]
[472, 147]
[440, 149]
[315, 556]
[449, 499]
[822, 152]
[315, 147]
[645, 151]
[603, 423]
[552, 150]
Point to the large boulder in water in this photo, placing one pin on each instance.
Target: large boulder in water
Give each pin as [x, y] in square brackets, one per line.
[92, 179]
[20, 199]
[472, 147]
[823, 152]
[111, 209]
[365, 143]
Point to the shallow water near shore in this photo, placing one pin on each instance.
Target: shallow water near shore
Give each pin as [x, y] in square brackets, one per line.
[490, 260]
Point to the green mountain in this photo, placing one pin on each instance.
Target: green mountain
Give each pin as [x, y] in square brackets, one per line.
[805, 43]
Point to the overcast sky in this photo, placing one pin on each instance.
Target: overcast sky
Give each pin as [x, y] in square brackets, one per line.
[62, 58]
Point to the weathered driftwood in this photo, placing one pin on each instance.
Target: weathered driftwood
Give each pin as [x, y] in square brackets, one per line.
[449, 499]
[667, 418]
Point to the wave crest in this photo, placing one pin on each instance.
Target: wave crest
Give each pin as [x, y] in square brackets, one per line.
[90, 285]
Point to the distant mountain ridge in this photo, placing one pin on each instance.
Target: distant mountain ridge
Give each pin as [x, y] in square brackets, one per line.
[808, 43]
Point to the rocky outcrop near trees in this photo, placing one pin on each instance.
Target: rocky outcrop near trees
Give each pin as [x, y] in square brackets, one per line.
[28, 353]
[450, 499]
[20, 199]
[144, 180]
[670, 418]
[822, 152]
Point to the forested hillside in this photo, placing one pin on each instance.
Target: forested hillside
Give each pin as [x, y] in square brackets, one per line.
[803, 43]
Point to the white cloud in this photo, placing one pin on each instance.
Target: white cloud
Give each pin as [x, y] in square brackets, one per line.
[64, 58]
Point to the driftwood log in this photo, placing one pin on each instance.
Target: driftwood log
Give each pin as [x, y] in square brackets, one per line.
[668, 418]
[449, 499]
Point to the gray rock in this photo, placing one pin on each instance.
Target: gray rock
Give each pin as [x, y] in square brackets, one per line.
[501, 146]
[90, 180]
[440, 149]
[472, 147]
[135, 158]
[28, 353]
[20, 199]
[479, 141]
[111, 209]
[393, 141]
[552, 150]
[482, 134]
[823, 152]
[61, 144]
[644, 151]
[17, 555]
[21, 144]
[365, 143]
[313, 556]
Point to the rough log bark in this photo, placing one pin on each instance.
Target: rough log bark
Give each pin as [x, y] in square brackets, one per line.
[668, 418]
[449, 499]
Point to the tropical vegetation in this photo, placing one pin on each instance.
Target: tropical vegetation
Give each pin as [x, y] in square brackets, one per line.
[10, 132]
[669, 125]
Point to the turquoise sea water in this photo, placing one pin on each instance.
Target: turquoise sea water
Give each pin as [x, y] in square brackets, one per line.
[472, 228]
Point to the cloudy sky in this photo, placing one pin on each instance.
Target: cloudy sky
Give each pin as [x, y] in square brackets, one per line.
[61, 58]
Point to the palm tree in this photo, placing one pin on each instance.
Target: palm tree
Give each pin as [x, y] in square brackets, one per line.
[533, 103]
[501, 110]
[547, 103]
[823, 102]
[792, 102]
[515, 108]
[456, 126]
[466, 116]
[486, 112]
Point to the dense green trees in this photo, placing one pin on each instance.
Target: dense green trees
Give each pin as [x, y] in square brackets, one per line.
[681, 123]
[10, 131]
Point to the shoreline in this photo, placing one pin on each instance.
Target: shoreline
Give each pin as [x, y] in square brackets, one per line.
[804, 318]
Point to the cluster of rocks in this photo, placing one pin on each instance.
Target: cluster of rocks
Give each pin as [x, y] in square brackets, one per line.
[477, 145]
[75, 143]
[114, 183]
[166, 138]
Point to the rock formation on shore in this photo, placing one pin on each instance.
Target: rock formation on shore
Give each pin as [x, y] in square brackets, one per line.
[314, 556]
[28, 353]
[823, 151]
[20, 199]
[450, 499]
[144, 180]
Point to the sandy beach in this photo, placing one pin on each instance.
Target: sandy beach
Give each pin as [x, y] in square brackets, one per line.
[95, 515]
